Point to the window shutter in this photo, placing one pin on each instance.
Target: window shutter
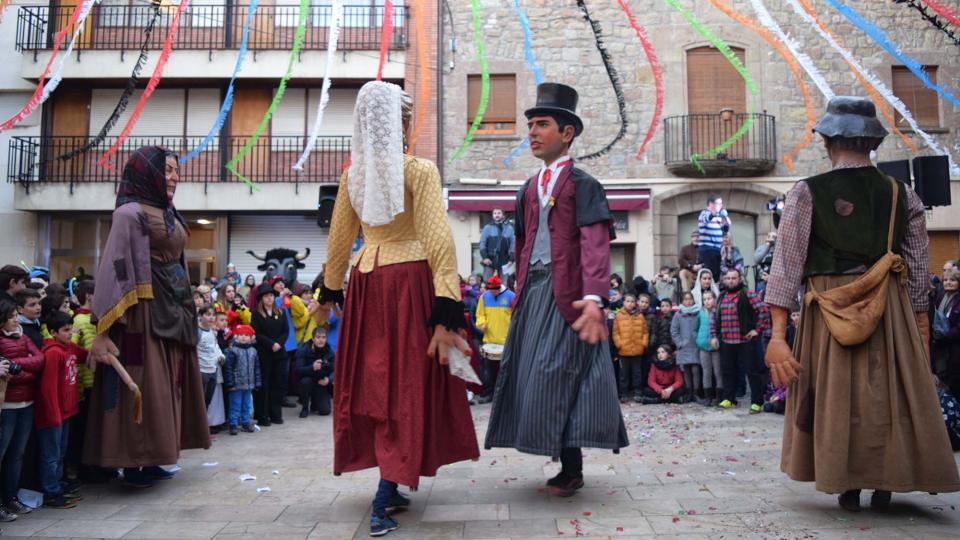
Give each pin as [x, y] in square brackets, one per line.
[921, 101]
[338, 116]
[712, 83]
[501, 103]
[162, 116]
[261, 232]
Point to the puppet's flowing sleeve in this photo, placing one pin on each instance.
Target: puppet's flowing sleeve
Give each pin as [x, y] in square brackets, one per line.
[123, 277]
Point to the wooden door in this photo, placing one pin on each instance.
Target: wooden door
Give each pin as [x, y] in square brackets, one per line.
[713, 84]
[249, 106]
[63, 9]
[69, 125]
[944, 246]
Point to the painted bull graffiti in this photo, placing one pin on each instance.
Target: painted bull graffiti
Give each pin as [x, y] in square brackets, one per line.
[282, 262]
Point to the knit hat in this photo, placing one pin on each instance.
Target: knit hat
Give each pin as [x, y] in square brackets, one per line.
[494, 283]
[243, 330]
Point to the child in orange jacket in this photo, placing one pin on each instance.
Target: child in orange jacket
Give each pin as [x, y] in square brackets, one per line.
[631, 335]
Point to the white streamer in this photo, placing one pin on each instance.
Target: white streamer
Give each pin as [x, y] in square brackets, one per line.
[882, 89]
[334, 33]
[57, 76]
[771, 24]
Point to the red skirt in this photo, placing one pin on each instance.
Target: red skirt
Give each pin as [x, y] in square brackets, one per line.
[394, 407]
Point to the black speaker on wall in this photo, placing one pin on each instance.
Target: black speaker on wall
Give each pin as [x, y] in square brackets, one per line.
[328, 196]
[932, 180]
[897, 169]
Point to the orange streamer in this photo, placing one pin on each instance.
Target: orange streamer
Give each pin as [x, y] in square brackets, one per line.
[794, 66]
[881, 103]
[423, 82]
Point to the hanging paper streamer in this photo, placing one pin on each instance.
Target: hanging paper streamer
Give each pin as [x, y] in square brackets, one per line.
[869, 81]
[805, 62]
[881, 38]
[57, 76]
[614, 81]
[531, 60]
[332, 34]
[423, 81]
[797, 74]
[281, 89]
[125, 96]
[944, 11]
[386, 34]
[228, 97]
[724, 49]
[484, 83]
[3, 7]
[932, 19]
[657, 76]
[35, 99]
[151, 86]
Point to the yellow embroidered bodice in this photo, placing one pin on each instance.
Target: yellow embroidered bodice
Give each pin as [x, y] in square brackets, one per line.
[420, 233]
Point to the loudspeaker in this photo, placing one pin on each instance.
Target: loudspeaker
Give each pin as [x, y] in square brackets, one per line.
[932, 174]
[328, 196]
[897, 169]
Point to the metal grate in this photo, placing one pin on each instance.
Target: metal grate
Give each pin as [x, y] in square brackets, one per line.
[698, 133]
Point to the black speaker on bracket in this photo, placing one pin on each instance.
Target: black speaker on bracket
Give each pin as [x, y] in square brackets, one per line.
[897, 169]
[328, 196]
[932, 175]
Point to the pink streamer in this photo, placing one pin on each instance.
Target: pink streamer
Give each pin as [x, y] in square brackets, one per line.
[151, 86]
[37, 96]
[385, 35]
[657, 76]
[943, 11]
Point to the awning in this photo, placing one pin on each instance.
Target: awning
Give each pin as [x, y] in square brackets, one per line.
[620, 200]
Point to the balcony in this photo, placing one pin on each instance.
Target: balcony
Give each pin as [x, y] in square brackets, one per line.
[753, 154]
[209, 27]
[33, 160]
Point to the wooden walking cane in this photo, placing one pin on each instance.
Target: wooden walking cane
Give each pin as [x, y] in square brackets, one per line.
[128, 380]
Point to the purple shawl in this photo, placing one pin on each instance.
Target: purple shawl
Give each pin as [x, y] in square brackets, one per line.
[123, 277]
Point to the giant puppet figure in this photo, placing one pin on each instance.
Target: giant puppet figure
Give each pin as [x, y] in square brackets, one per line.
[556, 390]
[862, 411]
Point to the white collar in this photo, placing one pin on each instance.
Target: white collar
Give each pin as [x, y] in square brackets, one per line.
[557, 164]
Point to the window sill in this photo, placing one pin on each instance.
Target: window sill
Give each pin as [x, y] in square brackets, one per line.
[496, 137]
[933, 130]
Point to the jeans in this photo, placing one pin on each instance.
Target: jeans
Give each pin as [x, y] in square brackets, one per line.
[311, 392]
[241, 402]
[53, 448]
[631, 375]
[15, 426]
[712, 372]
[385, 491]
[741, 358]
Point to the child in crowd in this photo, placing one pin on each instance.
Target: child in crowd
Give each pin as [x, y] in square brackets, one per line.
[776, 399]
[198, 299]
[84, 331]
[241, 377]
[709, 355]
[222, 327]
[56, 301]
[683, 331]
[665, 382]
[28, 314]
[315, 374]
[57, 403]
[16, 418]
[661, 323]
[208, 352]
[630, 335]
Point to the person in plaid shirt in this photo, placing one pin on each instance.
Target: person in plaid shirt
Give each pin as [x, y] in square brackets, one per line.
[741, 319]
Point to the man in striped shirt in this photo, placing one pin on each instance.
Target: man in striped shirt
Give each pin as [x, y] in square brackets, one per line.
[713, 224]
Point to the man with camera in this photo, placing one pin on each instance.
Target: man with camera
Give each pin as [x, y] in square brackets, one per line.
[713, 224]
[763, 258]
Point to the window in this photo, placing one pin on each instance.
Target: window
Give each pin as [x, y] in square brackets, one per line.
[500, 117]
[208, 13]
[920, 100]
[712, 83]
[130, 13]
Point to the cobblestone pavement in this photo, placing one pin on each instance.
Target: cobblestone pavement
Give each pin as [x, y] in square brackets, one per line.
[689, 473]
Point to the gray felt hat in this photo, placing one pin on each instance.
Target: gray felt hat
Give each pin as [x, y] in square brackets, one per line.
[849, 117]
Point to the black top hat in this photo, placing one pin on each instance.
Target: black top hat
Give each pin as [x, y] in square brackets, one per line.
[849, 117]
[556, 98]
[265, 288]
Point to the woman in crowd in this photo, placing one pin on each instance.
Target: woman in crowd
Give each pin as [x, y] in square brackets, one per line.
[249, 283]
[946, 332]
[730, 257]
[704, 282]
[270, 326]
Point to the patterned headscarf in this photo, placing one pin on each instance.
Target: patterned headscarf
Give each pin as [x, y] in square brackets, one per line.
[375, 180]
[144, 181]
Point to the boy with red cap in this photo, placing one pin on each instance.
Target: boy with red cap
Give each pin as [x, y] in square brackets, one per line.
[494, 309]
[241, 375]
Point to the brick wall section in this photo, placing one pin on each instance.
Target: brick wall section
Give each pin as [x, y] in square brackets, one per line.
[427, 143]
[564, 47]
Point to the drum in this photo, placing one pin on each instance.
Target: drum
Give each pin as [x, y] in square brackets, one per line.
[492, 351]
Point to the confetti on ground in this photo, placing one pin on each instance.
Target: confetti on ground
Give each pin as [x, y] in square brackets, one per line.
[211, 464]
[263, 490]
[276, 473]
[247, 477]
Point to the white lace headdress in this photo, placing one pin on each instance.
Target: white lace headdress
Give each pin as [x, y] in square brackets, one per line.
[375, 181]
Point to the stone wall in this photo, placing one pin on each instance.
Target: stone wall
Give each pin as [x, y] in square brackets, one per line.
[565, 49]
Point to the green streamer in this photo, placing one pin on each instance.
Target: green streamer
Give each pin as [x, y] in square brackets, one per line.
[735, 62]
[484, 83]
[294, 52]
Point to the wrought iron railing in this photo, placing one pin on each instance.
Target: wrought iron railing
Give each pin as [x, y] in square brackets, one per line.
[209, 27]
[36, 159]
[699, 134]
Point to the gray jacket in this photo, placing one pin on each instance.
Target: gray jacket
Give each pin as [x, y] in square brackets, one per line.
[683, 330]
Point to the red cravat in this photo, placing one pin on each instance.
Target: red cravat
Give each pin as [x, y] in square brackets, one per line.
[545, 180]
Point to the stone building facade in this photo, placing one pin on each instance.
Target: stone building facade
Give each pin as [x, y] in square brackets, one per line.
[564, 47]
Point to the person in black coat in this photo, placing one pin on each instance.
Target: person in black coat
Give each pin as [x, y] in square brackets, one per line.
[315, 374]
[270, 326]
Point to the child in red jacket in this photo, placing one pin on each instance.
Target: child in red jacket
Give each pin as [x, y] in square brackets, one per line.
[665, 382]
[58, 401]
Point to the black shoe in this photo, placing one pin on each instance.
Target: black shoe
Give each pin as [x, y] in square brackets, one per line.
[304, 412]
[60, 502]
[289, 404]
[880, 499]
[14, 506]
[215, 429]
[265, 423]
[482, 400]
[850, 500]
[565, 485]
[134, 478]
[277, 421]
[233, 429]
[398, 501]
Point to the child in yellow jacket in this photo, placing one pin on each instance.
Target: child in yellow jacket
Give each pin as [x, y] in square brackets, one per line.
[631, 335]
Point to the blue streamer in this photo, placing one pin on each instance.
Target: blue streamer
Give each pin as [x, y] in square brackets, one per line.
[228, 99]
[880, 37]
[534, 67]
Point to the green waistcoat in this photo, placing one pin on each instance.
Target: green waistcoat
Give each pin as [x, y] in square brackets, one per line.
[851, 214]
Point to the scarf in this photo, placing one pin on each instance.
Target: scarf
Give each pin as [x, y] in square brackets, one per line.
[375, 179]
[691, 310]
[664, 365]
[144, 181]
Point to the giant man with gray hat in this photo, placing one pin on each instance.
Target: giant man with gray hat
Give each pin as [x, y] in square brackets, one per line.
[556, 390]
[862, 410]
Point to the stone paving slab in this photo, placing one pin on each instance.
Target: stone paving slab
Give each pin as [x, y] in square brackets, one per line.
[690, 473]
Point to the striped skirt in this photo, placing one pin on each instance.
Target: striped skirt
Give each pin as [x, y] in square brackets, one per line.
[554, 391]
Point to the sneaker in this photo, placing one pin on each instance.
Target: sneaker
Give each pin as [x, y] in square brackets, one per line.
[60, 502]
[134, 478]
[568, 487]
[755, 409]
[14, 506]
[248, 428]
[304, 412]
[76, 496]
[725, 404]
[233, 429]
[158, 473]
[398, 501]
[6, 516]
[381, 526]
